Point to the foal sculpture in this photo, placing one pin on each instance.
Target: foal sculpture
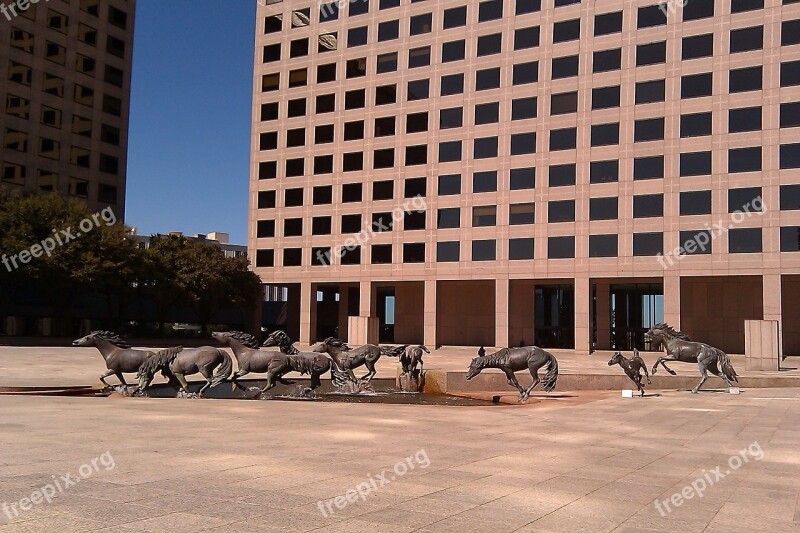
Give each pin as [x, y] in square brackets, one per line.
[511, 360]
[680, 348]
[213, 364]
[120, 358]
[632, 368]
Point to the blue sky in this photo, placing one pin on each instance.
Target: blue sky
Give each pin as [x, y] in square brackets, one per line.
[189, 141]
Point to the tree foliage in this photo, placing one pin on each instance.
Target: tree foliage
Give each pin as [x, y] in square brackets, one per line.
[173, 272]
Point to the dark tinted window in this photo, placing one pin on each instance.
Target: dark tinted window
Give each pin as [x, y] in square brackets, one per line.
[564, 67]
[648, 205]
[608, 23]
[447, 251]
[698, 9]
[745, 79]
[744, 119]
[450, 118]
[746, 39]
[449, 151]
[528, 6]
[560, 247]
[746, 199]
[790, 156]
[605, 97]
[744, 159]
[522, 178]
[485, 147]
[696, 85]
[487, 113]
[651, 54]
[738, 6]
[292, 256]
[695, 125]
[561, 211]
[603, 208]
[453, 51]
[645, 168]
[449, 217]
[697, 46]
[522, 108]
[695, 203]
[790, 114]
[649, 16]
[647, 244]
[566, 30]
[605, 134]
[603, 246]
[414, 252]
[562, 175]
[650, 129]
[790, 197]
[455, 17]
[744, 241]
[695, 242]
[484, 250]
[695, 164]
[526, 38]
[520, 249]
[604, 171]
[650, 91]
[351, 192]
[484, 181]
[381, 253]
[490, 10]
[490, 44]
[607, 60]
[487, 79]
[449, 184]
[525, 73]
[563, 139]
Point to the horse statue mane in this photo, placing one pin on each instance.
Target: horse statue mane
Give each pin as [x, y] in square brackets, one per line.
[284, 342]
[245, 338]
[339, 343]
[113, 338]
[672, 331]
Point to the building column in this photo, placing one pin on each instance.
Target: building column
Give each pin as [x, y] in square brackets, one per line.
[365, 299]
[603, 318]
[772, 294]
[583, 316]
[307, 309]
[429, 314]
[501, 313]
[672, 300]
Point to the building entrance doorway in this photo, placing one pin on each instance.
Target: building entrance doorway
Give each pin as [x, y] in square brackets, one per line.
[554, 316]
[386, 314]
[327, 312]
[634, 308]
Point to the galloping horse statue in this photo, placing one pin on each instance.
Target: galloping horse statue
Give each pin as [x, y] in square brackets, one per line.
[293, 360]
[249, 357]
[511, 360]
[633, 368]
[190, 361]
[119, 357]
[679, 348]
[347, 359]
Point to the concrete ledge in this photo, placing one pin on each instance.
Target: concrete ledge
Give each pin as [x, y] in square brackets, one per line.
[442, 381]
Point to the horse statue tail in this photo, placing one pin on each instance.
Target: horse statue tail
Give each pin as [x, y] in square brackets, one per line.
[158, 361]
[551, 377]
[726, 367]
[423, 348]
[393, 351]
[224, 370]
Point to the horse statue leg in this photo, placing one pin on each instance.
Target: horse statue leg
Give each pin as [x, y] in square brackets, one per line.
[512, 380]
[662, 361]
[209, 375]
[534, 370]
[182, 380]
[234, 379]
[121, 379]
[106, 374]
[371, 367]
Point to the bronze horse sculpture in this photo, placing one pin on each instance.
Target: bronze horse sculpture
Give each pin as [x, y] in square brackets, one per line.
[249, 357]
[292, 360]
[213, 364]
[511, 360]
[410, 356]
[120, 358]
[632, 367]
[679, 347]
[347, 359]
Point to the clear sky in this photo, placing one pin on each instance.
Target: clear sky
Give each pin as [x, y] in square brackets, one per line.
[189, 141]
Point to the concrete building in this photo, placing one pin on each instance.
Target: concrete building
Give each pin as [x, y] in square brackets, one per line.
[215, 238]
[585, 169]
[64, 116]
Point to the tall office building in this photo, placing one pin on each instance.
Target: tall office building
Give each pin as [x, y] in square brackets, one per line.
[505, 172]
[64, 116]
